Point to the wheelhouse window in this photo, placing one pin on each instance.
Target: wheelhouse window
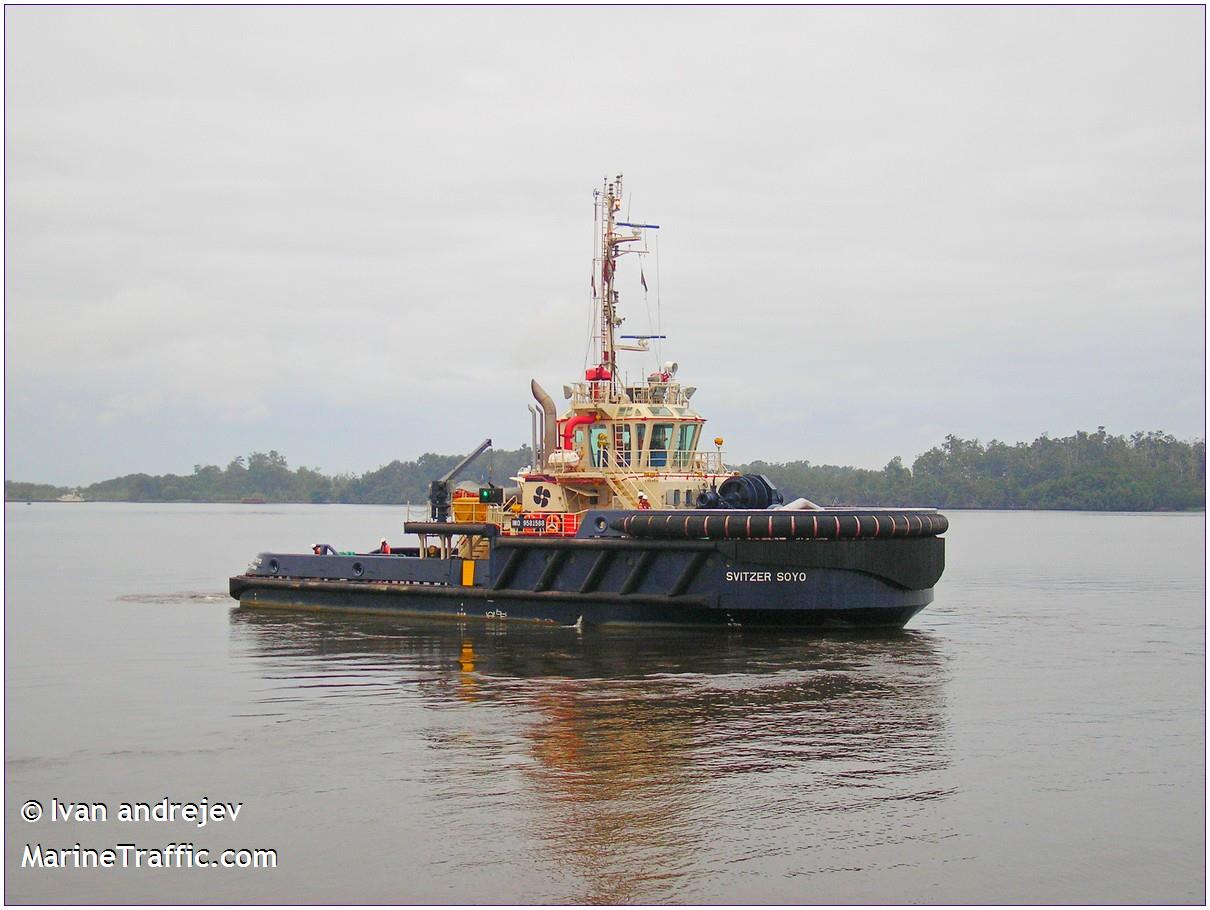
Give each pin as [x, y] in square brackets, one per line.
[661, 437]
[685, 444]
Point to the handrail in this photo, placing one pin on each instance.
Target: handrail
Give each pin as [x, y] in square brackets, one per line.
[666, 460]
[596, 392]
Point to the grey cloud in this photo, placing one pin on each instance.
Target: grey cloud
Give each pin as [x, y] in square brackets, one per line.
[354, 234]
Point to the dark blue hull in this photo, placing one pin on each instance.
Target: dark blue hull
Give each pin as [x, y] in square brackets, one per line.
[611, 579]
[565, 610]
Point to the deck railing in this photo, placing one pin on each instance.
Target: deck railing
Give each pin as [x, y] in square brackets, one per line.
[685, 460]
[590, 393]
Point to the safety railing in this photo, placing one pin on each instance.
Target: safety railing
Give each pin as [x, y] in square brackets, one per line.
[709, 462]
[589, 393]
[502, 515]
[657, 393]
[660, 460]
[598, 392]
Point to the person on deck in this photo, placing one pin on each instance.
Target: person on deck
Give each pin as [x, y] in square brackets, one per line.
[644, 502]
[384, 547]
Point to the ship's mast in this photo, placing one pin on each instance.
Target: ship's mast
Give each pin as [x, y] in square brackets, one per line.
[610, 201]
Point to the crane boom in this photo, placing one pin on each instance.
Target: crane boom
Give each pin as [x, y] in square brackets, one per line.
[439, 490]
[460, 466]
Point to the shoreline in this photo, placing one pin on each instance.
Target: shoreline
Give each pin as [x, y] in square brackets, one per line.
[298, 502]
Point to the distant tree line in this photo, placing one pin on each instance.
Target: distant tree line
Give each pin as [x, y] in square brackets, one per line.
[1095, 471]
[267, 476]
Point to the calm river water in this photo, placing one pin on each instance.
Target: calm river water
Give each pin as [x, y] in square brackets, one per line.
[1036, 735]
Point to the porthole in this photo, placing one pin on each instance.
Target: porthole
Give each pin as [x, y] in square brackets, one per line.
[273, 566]
[358, 569]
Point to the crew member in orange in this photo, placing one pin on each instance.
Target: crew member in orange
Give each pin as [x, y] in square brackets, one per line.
[644, 502]
[384, 547]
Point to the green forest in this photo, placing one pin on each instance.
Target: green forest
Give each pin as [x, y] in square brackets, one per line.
[1093, 471]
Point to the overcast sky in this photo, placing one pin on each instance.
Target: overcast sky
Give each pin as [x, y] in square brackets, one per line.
[353, 235]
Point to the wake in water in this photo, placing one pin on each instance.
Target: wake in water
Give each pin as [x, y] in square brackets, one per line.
[175, 597]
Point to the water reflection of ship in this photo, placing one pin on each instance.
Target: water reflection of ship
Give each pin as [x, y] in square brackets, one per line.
[638, 743]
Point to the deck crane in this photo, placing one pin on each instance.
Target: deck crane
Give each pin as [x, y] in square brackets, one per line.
[439, 490]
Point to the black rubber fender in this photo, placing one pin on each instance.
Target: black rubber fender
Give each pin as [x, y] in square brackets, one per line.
[828, 524]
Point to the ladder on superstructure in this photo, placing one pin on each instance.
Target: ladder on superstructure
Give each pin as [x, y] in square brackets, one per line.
[627, 488]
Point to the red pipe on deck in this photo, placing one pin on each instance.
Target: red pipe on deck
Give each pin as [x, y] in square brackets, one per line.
[569, 427]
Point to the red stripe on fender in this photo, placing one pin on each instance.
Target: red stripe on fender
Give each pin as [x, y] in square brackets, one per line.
[837, 517]
[876, 526]
[770, 525]
[748, 526]
[814, 525]
[793, 528]
[727, 526]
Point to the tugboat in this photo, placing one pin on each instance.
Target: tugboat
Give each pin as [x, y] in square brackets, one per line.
[621, 519]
